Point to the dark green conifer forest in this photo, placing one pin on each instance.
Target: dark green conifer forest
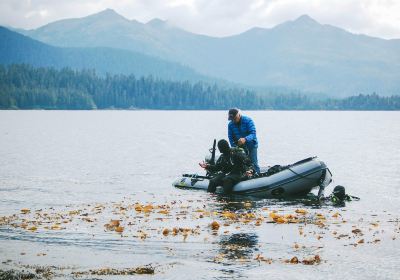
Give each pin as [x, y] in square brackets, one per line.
[26, 87]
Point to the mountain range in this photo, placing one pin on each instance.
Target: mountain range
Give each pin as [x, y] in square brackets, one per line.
[300, 54]
[16, 48]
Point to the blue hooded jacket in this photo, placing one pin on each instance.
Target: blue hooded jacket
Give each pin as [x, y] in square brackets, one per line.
[244, 129]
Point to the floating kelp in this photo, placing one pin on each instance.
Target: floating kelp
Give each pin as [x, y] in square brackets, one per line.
[177, 222]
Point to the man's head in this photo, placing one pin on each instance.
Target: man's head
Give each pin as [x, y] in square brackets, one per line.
[234, 115]
[339, 192]
[223, 146]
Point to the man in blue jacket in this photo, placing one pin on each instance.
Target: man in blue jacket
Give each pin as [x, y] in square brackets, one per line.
[242, 133]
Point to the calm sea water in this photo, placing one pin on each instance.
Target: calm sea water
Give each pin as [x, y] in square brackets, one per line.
[62, 160]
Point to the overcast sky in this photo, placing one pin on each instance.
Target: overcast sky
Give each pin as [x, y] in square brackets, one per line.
[379, 18]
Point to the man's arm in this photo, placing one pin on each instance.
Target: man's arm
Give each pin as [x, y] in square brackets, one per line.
[215, 168]
[252, 130]
[230, 136]
[211, 167]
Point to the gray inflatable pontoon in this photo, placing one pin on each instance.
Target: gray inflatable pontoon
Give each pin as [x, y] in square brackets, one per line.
[297, 179]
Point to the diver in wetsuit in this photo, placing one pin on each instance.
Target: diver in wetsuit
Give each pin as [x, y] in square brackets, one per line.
[339, 196]
[232, 166]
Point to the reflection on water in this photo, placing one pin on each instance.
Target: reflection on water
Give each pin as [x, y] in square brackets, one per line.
[235, 202]
[238, 245]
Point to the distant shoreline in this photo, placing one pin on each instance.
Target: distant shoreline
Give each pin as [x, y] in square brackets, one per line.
[25, 87]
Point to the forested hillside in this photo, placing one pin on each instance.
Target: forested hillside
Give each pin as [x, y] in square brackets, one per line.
[26, 87]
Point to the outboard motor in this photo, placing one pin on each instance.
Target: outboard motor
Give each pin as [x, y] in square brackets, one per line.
[325, 180]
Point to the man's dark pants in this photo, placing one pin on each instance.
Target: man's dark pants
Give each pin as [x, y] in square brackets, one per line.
[227, 181]
[254, 160]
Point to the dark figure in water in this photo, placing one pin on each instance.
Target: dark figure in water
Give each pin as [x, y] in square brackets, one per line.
[232, 166]
[339, 196]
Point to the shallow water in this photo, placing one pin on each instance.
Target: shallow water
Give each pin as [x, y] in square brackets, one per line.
[61, 161]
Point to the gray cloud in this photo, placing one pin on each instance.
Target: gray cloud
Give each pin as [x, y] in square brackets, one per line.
[380, 18]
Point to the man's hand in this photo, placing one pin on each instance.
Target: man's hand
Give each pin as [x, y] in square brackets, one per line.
[241, 141]
[203, 165]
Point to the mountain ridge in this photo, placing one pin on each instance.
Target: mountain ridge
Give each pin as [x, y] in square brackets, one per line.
[111, 13]
[16, 48]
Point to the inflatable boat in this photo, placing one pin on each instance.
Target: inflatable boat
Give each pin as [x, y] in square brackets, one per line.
[297, 179]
